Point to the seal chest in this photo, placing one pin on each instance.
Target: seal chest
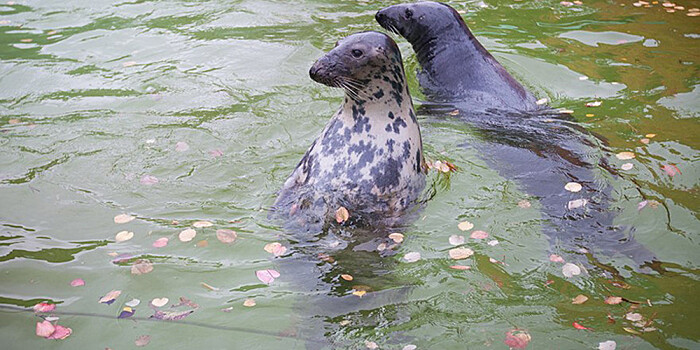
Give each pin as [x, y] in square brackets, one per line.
[369, 157]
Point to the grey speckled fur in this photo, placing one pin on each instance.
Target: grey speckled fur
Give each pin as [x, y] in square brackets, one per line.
[369, 157]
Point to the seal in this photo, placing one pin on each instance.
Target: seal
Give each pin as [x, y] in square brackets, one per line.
[454, 63]
[536, 146]
[369, 157]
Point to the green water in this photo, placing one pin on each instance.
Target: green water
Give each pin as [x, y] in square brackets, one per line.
[95, 94]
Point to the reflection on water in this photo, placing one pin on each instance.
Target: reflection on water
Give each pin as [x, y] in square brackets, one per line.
[95, 95]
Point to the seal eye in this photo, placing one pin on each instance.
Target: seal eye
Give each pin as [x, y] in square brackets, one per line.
[356, 53]
[409, 13]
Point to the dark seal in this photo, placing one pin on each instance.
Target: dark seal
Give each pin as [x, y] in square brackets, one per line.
[539, 148]
[454, 62]
[369, 157]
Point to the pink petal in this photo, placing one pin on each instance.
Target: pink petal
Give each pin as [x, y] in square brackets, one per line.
[479, 234]
[642, 204]
[77, 282]
[267, 276]
[161, 242]
[216, 153]
[44, 329]
[44, 307]
[149, 180]
[61, 333]
[556, 258]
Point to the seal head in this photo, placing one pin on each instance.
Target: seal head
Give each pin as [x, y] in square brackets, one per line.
[455, 66]
[369, 157]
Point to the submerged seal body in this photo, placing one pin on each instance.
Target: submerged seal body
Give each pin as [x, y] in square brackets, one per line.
[453, 62]
[539, 148]
[369, 157]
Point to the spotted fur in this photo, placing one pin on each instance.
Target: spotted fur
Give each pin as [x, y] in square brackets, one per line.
[369, 157]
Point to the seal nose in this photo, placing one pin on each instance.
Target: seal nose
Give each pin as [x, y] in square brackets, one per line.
[380, 17]
[317, 72]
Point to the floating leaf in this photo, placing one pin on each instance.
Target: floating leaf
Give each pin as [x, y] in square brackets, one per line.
[645, 141]
[267, 276]
[250, 302]
[456, 240]
[573, 187]
[633, 316]
[161, 242]
[126, 312]
[479, 234]
[187, 235]
[566, 111]
[409, 347]
[642, 204]
[556, 258]
[671, 169]
[141, 266]
[60, 332]
[541, 101]
[371, 345]
[460, 253]
[341, 215]
[77, 282]
[346, 277]
[149, 180]
[181, 146]
[577, 203]
[216, 153]
[411, 257]
[580, 326]
[396, 237]
[202, 224]
[133, 303]
[651, 136]
[208, 286]
[44, 329]
[627, 166]
[607, 345]
[171, 315]
[129, 63]
[524, 204]
[226, 236]
[569, 270]
[492, 243]
[142, 340]
[44, 307]
[579, 299]
[632, 331]
[594, 104]
[460, 267]
[517, 339]
[275, 248]
[625, 155]
[203, 243]
[613, 300]
[465, 226]
[123, 236]
[359, 293]
[158, 302]
[110, 297]
[123, 218]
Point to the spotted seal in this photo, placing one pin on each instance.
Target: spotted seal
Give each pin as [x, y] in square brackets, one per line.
[369, 157]
[535, 146]
[453, 61]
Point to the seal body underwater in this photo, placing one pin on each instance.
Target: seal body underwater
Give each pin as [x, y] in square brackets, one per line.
[539, 148]
[369, 157]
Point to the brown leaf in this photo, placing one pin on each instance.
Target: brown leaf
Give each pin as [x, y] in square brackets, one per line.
[341, 215]
[579, 299]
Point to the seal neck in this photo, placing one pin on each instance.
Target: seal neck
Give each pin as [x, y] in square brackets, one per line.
[456, 66]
